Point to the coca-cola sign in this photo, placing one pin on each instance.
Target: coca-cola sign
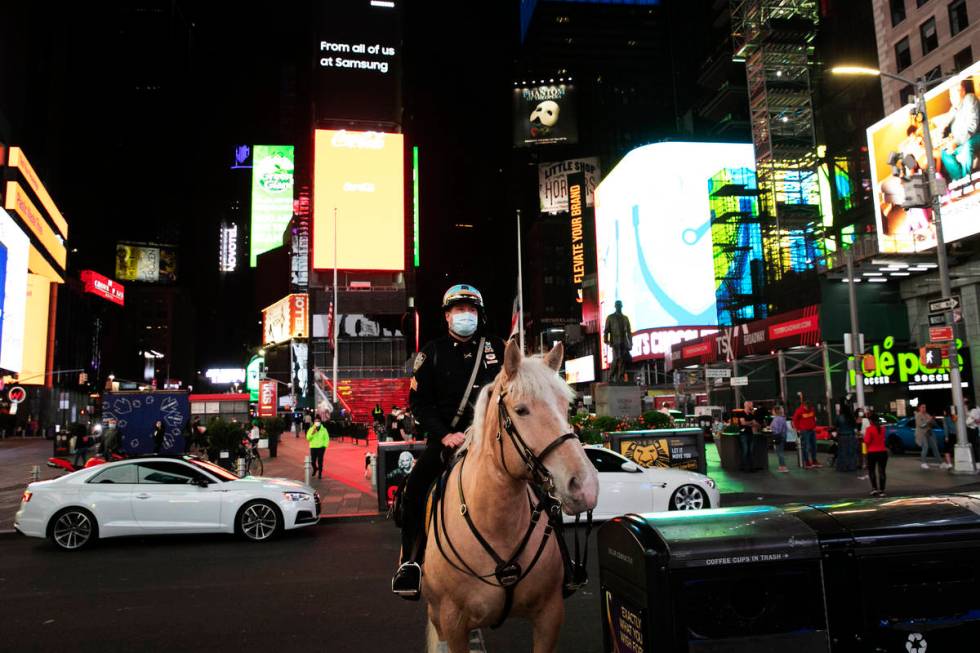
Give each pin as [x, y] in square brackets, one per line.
[103, 287]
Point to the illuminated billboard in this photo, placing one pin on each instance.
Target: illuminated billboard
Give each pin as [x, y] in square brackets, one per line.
[149, 263]
[360, 178]
[553, 182]
[653, 233]
[953, 109]
[580, 370]
[272, 196]
[14, 290]
[36, 331]
[356, 57]
[545, 114]
[288, 318]
[104, 287]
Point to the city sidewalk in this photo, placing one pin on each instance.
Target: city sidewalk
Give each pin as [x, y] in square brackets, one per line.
[905, 477]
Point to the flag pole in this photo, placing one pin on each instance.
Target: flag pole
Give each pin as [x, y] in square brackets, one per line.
[520, 287]
[336, 331]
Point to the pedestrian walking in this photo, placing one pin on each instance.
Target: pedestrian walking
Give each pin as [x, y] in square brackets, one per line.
[319, 440]
[949, 439]
[748, 426]
[779, 428]
[805, 423]
[158, 433]
[924, 437]
[846, 458]
[874, 440]
[110, 439]
[973, 429]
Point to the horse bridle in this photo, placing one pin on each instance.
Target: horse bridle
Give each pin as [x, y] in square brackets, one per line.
[508, 572]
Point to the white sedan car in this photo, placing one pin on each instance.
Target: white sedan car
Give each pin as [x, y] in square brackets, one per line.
[162, 495]
[626, 487]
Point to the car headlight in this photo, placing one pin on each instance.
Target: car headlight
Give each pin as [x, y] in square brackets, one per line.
[709, 483]
[297, 496]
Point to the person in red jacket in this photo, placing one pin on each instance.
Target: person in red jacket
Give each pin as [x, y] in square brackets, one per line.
[874, 440]
[805, 423]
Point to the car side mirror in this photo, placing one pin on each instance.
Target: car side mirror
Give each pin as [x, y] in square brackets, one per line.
[630, 467]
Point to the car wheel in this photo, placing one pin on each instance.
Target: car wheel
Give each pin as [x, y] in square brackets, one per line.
[258, 521]
[895, 445]
[689, 497]
[73, 529]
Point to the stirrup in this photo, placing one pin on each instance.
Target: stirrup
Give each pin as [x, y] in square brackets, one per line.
[413, 593]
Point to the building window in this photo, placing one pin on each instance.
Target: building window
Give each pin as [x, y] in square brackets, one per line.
[898, 11]
[905, 95]
[903, 55]
[963, 58]
[919, 3]
[930, 39]
[958, 19]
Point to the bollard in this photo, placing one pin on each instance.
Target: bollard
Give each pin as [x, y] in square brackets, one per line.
[35, 473]
[240, 466]
[307, 468]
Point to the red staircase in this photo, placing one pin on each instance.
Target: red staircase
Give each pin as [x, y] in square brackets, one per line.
[360, 395]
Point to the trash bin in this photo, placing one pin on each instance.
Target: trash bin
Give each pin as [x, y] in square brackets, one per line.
[733, 580]
[900, 574]
[847, 453]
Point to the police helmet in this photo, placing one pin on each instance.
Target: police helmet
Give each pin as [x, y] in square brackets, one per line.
[462, 293]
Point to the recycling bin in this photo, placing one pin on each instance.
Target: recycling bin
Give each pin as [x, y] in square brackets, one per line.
[900, 574]
[680, 448]
[730, 450]
[732, 579]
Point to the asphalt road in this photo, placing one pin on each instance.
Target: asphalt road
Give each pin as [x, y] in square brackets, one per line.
[324, 588]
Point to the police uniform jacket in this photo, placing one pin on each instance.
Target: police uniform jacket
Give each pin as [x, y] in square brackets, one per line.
[442, 371]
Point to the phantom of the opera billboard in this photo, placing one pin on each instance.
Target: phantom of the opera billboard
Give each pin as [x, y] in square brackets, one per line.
[954, 120]
[545, 114]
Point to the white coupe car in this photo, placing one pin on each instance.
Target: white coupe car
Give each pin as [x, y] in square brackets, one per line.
[626, 487]
[162, 495]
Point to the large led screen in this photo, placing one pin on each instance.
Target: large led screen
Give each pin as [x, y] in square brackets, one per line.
[357, 52]
[149, 263]
[272, 196]
[360, 178]
[36, 331]
[953, 111]
[653, 233]
[14, 291]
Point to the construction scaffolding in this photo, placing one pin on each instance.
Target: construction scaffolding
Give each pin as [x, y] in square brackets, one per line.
[775, 40]
[737, 240]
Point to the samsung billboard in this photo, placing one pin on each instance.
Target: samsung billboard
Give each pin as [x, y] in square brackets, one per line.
[653, 233]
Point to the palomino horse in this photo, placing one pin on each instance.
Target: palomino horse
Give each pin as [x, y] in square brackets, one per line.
[520, 435]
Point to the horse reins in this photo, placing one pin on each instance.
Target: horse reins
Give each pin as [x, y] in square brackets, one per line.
[508, 572]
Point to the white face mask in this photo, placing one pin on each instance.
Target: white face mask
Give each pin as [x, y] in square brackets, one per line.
[464, 324]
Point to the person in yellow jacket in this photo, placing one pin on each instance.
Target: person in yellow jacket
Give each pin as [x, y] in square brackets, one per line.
[319, 440]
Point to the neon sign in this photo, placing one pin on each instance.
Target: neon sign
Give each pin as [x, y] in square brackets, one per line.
[901, 367]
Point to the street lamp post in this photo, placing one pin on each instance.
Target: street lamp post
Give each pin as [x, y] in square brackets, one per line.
[963, 459]
[856, 350]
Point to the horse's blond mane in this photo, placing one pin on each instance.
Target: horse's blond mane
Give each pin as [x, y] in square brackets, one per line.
[533, 379]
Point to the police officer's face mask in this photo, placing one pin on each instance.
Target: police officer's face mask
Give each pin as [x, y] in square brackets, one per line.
[463, 324]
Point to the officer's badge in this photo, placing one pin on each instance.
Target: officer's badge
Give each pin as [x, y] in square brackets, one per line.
[419, 359]
[489, 355]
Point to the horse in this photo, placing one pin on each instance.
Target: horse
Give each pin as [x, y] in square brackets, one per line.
[486, 514]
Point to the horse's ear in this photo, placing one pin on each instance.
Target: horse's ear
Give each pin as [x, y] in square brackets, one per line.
[512, 358]
[554, 357]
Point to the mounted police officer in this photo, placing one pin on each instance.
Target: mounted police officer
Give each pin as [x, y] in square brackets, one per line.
[449, 373]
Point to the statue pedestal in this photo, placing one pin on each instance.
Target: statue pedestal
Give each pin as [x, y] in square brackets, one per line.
[618, 400]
